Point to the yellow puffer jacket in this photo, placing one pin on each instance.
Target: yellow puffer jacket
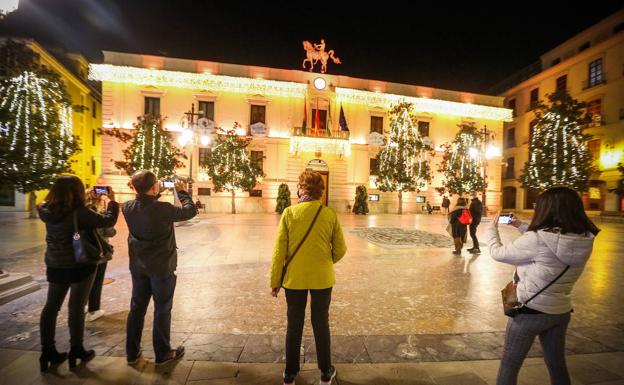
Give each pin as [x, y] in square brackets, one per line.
[313, 266]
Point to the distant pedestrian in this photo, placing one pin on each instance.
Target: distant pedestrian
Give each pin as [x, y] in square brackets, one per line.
[476, 210]
[446, 204]
[459, 219]
[429, 208]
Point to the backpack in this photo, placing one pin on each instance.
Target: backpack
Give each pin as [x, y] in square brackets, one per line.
[465, 218]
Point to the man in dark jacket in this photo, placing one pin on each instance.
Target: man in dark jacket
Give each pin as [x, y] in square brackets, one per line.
[476, 210]
[153, 261]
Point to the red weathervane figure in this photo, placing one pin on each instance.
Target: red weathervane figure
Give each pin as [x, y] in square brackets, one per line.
[317, 52]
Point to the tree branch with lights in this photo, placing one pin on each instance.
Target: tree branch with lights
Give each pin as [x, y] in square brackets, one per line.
[150, 148]
[558, 152]
[462, 163]
[404, 161]
[36, 137]
[229, 166]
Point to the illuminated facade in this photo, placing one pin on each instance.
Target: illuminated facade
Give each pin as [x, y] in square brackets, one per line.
[269, 105]
[86, 119]
[590, 66]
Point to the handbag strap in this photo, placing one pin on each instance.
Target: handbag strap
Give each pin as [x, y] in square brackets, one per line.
[288, 260]
[547, 286]
[75, 215]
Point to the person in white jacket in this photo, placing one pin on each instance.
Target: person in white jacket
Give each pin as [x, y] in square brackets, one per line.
[559, 236]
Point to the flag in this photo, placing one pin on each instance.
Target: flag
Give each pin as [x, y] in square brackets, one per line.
[305, 116]
[329, 119]
[317, 119]
[342, 121]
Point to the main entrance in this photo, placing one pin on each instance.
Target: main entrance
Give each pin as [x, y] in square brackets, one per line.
[321, 167]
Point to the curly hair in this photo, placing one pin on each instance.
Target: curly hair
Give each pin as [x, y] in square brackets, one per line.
[312, 184]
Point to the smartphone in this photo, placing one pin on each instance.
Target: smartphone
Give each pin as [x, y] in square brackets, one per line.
[505, 219]
[168, 184]
[101, 190]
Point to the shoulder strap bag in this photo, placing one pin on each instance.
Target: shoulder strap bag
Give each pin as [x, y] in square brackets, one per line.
[511, 305]
[87, 245]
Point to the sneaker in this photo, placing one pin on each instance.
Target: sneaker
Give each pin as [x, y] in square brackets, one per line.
[475, 251]
[93, 315]
[289, 380]
[134, 361]
[173, 355]
[327, 378]
[457, 252]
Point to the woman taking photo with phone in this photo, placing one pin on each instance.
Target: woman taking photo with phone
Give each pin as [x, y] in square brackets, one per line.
[65, 200]
[549, 257]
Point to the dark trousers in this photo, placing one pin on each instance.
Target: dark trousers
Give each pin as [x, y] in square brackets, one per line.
[96, 290]
[161, 289]
[473, 234]
[520, 334]
[78, 295]
[296, 301]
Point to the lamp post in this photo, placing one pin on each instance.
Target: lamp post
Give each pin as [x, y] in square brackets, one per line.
[193, 135]
[490, 151]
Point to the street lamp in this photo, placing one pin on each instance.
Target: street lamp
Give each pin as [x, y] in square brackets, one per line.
[193, 135]
[490, 151]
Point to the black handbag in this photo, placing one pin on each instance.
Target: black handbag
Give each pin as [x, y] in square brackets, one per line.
[511, 305]
[88, 245]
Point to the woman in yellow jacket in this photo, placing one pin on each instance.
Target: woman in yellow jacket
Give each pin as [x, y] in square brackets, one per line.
[311, 269]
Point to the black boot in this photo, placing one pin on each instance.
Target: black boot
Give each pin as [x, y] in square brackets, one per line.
[49, 356]
[78, 352]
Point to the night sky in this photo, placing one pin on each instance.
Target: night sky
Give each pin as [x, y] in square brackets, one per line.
[467, 48]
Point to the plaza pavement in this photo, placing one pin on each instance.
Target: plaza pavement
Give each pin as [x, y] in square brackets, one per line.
[404, 309]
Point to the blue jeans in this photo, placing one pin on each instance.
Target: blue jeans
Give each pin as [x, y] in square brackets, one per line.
[143, 288]
[521, 332]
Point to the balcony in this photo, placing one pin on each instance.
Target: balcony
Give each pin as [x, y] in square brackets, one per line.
[320, 133]
[320, 141]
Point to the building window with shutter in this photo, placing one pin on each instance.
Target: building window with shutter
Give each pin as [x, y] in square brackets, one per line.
[534, 99]
[510, 173]
[373, 166]
[206, 109]
[562, 83]
[511, 104]
[258, 114]
[595, 72]
[510, 138]
[423, 128]
[257, 160]
[204, 153]
[376, 124]
[322, 119]
[152, 106]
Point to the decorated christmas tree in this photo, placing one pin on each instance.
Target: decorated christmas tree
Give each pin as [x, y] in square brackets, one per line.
[558, 153]
[361, 200]
[229, 165]
[150, 148]
[283, 198]
[36, 138]
[461, 163]
[403, 162]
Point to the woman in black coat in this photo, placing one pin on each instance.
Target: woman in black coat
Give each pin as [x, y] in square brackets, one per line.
[458, 229]
[66, 196]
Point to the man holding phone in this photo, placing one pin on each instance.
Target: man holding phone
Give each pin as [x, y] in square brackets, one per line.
[153, 261]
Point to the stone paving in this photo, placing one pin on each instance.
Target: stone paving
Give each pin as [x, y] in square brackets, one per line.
[401, 297]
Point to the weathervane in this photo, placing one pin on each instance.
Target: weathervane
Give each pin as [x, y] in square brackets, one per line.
[316, 52]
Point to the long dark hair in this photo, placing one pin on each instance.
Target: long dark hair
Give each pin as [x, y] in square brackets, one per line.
[67, 193]
[561, 208]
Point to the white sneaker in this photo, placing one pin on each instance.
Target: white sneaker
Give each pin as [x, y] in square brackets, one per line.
[92, 316]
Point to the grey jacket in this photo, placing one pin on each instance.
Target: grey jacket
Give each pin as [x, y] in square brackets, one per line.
[540, 256]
